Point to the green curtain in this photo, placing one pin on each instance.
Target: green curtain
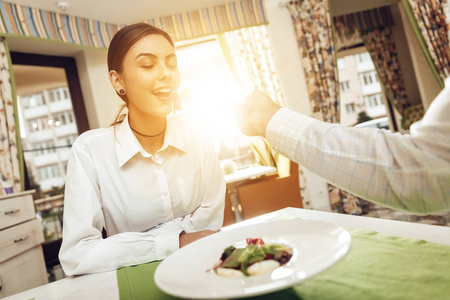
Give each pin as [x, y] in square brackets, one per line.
[11, 161]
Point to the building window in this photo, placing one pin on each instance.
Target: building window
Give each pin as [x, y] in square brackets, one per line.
[345, 86]
[341, 63]
[70, 117]
[363, 57]
[373, 100]
[350, 108]
[55, 171]
[66, 94]
[368, 78]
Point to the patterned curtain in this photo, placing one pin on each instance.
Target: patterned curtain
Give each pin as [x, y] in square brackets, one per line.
[248, 53]
[374, 29]
[249, 56]
[381, 45]
[432, 29]
[314, 29]
[10, 171]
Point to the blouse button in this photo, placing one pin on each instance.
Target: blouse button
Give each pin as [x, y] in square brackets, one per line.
[165, 194]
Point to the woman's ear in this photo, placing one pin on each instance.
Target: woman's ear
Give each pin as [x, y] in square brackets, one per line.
[116, 80]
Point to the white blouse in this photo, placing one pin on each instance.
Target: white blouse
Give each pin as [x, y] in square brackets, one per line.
[143, 201]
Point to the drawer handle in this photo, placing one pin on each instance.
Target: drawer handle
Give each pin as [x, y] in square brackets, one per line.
[11, 212]
[21, 239]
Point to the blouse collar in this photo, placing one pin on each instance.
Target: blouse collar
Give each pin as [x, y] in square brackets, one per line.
[127, 145]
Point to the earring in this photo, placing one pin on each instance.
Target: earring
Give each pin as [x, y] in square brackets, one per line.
[122, 92]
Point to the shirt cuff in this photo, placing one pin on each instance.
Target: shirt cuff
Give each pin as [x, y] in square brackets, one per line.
[286, 129]
[167, 244]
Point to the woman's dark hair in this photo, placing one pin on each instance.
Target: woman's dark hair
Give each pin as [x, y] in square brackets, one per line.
[121, 43]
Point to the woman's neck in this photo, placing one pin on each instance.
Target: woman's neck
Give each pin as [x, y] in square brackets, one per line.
[146, 126]
[150, 133]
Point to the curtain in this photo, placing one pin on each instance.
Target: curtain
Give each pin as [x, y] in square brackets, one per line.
[249, 56]
[428, 19]
[380, 44]
[10, 156]
[314, 30]
[374, 29]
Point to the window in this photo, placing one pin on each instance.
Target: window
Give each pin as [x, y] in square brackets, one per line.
[31, 101]
[341, 63]
[345, 86]
[363, 57]
[208, 88]
[350, 108]
[50, 147]
[70, 117]
[55, 171]
[368, 78]
[373, 100]
[66, 94]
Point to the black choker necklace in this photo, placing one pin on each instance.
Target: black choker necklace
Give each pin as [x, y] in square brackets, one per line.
[148, 136]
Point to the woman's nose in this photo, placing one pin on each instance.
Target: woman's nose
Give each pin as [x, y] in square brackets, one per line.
[163, 73]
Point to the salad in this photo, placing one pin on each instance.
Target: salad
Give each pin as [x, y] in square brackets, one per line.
[256, 258]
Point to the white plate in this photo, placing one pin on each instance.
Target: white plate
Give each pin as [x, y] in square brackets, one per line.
[317, 246]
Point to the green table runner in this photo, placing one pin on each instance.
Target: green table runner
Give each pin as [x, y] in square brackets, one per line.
[378, 266]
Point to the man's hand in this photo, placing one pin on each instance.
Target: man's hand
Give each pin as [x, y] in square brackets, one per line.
[187, 238]
[254, 115]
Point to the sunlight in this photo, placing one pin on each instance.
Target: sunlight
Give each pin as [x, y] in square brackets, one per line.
[210, 92]
[208, 89]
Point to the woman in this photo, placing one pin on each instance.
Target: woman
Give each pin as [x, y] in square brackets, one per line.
[150, 183]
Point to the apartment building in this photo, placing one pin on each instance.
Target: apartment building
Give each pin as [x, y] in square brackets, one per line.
[48, 131]
[360, 88]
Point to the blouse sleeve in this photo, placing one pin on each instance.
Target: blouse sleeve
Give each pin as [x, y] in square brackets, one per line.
[83, 249]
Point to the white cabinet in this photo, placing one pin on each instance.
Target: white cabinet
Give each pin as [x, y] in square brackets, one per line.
[22, 264]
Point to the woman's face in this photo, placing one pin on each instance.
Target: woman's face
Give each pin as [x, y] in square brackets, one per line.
[150, 76]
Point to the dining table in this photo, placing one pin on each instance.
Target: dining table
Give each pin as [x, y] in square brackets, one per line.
[388, 259]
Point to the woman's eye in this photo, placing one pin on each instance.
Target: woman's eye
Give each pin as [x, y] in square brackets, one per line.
[172, 63]
[148, 66]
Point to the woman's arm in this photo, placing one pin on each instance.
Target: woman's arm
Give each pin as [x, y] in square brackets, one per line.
[209, 215]
[83, 249]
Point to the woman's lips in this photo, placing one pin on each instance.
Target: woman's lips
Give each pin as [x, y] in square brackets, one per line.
[163, 92]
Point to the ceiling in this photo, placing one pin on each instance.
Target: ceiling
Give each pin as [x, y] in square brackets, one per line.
[31, 79]
[130, 11]
[121, 11]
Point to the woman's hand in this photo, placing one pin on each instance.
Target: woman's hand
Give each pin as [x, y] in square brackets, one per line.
[187, 238]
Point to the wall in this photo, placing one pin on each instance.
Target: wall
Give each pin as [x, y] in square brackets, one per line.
[101, 101]
[404, 58]
[287, 57]
[293, 85]
[426, 81]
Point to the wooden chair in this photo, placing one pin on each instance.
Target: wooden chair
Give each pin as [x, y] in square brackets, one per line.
[266, 194]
